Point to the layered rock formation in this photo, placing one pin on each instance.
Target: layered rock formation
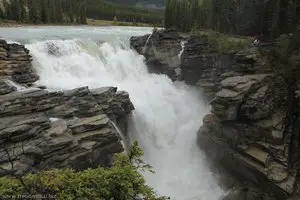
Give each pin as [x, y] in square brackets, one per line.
[162, 51]
[253, 128]
[247, 132]
[16, 63]
[41, 129]
[194, 59]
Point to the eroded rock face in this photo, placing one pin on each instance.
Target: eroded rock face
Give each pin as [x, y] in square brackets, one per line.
[247, 134]
[162, 50]
[5, 86]
[15, 62]
[246, 130]
[41, 129]
[195, 60]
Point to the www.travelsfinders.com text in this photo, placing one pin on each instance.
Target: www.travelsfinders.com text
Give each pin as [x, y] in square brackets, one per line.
[25, 196]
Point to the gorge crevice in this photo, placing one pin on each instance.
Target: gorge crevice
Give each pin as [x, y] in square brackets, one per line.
[247, 131]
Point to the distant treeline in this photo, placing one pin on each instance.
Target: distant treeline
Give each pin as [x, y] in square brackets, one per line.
[44, 11]
[99, 9]
[75, 11]
[158, 3]
[268, 18]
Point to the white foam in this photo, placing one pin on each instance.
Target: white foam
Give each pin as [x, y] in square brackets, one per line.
[53, 119]
[17, 86]
[166, 118]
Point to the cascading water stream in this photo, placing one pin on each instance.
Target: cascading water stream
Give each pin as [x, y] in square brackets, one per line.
[166, 118]
[147, 41]
[17, 86]
[178, 70]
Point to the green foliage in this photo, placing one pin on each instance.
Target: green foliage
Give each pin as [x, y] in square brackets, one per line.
[45, 11]
[223, 43]
[76, 11]
[284, 56]
[268, 18]
[159, 3]
[122, 181]
[101, 9]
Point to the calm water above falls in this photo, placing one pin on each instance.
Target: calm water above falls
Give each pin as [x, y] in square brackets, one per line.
[167, 114]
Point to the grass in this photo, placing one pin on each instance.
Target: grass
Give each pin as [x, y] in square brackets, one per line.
[7, 23]
[91, 22]
[223, 43]
[99, 22]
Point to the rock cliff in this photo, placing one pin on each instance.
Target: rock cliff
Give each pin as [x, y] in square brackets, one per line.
[41, 129]
[16, 63]
[252, 129]
[162, 51]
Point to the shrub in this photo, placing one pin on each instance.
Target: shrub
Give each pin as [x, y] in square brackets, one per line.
[123, 181]
[223, 43]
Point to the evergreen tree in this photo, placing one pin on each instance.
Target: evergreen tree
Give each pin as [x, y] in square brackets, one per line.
[45, 13]
[34, 11]
[269, 18]
[59, 11]
[82, 9]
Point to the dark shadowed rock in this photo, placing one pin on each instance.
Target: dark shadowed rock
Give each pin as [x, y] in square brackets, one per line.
[15, 62]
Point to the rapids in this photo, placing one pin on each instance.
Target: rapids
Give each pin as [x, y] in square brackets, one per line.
[167, 115]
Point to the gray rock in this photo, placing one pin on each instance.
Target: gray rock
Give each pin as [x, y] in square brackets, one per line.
[161, 50]
[89, 124]
[15, 62]
[5, 86]
[41, 129]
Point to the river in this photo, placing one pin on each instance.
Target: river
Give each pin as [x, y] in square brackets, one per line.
[167, 115]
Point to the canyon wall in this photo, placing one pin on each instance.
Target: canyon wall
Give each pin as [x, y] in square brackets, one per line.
[252, 129]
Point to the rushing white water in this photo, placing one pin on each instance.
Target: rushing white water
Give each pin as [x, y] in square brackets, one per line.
[166, 117]
[17, 86]
[182, 43]
[145, 47]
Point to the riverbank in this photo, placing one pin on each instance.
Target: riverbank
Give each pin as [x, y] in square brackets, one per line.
[90, 22]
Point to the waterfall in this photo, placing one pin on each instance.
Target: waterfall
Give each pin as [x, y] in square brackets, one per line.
[17, 86]
[166, 118]
[178, 70]
[144, 49]
[182, 43]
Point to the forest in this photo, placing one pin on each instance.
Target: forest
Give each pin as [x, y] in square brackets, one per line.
[75, 12]
[268, 18]
[44, 11]
[98, 9]
[142, 3]
[134, 2]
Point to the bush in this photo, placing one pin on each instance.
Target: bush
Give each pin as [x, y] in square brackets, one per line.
[123, 181]
[223, 43]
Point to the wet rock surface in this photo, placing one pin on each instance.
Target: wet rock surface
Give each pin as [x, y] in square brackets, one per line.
[162, 50]
[195, 60]
[41, 128]
[16, 63]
